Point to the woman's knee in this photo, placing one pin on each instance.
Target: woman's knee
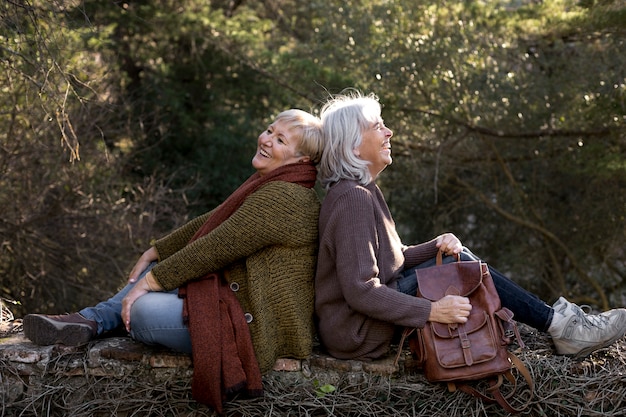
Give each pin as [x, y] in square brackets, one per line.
[156, 310]
[141, 311]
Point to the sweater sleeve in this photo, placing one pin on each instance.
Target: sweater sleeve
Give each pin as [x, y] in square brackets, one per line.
[417, 254]
[177, 239]
[366, 267]
[267, 217]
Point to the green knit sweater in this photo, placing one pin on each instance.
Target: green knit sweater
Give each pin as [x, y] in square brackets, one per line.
[267, 250]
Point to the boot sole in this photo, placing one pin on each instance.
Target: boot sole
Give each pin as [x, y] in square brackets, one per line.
[44, 332]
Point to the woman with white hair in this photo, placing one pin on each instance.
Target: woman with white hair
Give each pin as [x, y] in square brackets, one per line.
[365, 283]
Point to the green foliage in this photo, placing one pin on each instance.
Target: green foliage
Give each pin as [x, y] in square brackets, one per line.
[496, 120]
[322, 390]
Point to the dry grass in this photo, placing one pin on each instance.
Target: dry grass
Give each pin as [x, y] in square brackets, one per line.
[595, 386]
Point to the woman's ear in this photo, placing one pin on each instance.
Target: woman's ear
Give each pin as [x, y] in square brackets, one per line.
[356, 152]
[304, 159]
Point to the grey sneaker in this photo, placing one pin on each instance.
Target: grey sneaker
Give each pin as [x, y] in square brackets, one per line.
[578, 334]
[68, 329]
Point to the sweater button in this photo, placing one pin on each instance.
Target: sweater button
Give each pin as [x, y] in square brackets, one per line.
[248, 317]
[234, 286]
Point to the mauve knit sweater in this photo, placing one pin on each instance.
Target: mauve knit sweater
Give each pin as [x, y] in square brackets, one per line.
[359, 260]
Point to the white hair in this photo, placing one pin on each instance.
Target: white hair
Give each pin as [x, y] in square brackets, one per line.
[344, 119]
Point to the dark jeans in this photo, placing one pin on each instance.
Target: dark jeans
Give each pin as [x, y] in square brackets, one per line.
[526, 307]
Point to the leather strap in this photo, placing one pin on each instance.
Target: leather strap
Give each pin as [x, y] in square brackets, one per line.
[405, 333]
[440, 257]
[496, 383]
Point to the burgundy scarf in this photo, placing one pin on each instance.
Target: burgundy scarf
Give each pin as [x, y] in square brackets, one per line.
[222, 350]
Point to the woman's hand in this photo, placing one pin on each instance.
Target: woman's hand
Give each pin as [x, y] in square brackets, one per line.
[144, 260]
[450, 309]
[449, 244]
[143, 286]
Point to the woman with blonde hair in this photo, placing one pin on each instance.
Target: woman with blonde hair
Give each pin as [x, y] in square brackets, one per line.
[233, 287]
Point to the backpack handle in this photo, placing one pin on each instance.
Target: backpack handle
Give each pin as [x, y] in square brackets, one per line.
[440, 257]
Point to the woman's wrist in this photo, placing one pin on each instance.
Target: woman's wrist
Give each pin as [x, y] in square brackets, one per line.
[151, 254]
[152, 283]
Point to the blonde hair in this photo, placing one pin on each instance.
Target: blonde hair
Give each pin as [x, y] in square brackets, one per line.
[344, 119]
[310, 127]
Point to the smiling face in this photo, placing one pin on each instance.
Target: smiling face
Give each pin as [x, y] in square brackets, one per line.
[277, 146]
[375, 147]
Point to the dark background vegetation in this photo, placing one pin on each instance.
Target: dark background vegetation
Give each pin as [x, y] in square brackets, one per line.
[121, 120]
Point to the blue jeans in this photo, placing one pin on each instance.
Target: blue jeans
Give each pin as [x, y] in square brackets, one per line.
[526, 307]
[155, 318]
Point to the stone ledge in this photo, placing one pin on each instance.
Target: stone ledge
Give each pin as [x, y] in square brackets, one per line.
[120, 377]
[121, 352]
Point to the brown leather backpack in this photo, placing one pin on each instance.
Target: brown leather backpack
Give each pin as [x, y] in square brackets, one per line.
[473, 351]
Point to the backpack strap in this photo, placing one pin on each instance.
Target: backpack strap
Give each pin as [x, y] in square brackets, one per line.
[496, 383]
[405, 333]
[509, 328]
